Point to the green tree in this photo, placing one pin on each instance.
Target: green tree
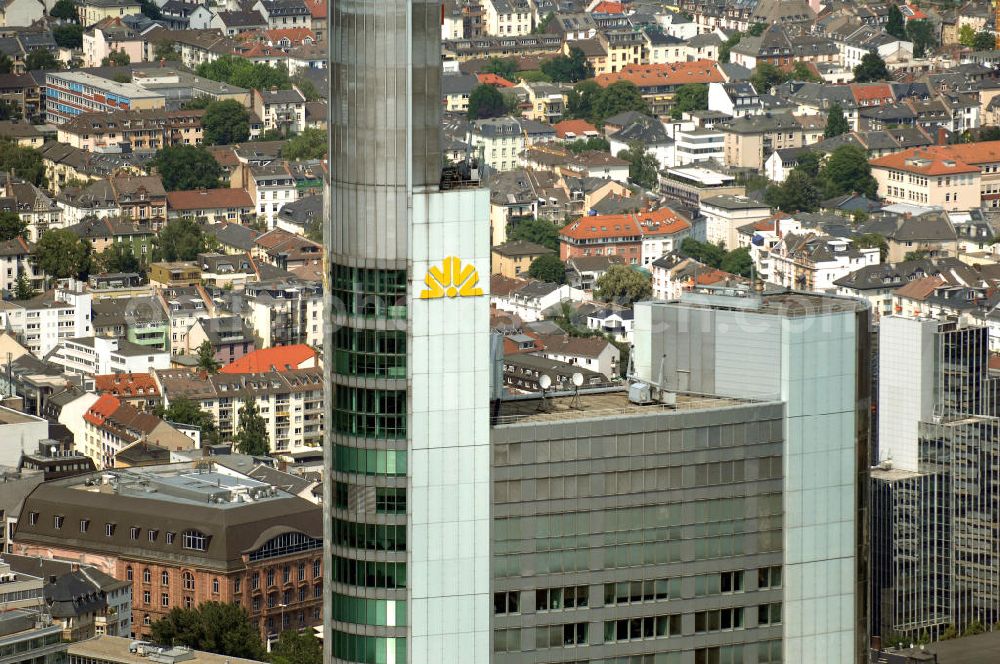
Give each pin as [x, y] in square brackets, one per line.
[245, 74]
[895, 25]
[706, 253]
[798, 193]
[738, 262]
[6, 64]
[689, 97]
[847, 171]
[65, 10]
[185, 167]
[119, 257]
[149, 9]
[185, 411]
[579, 100]
[201, 102]
[801, 72]
[567, 68]
[809, 163]
[836, 123]
[206, 358]
[921, 33]
[544, 23]
[765, 76]
[218, 627]
[61, 254]
[41, 58]
[11, 225]
[966, 35]
[643, 168]
[973, 628]
[251, 437]
[166, 50]
[871, 68]
[871, 241]
[181, 240]
[116, 59]
[306, 87]
[548, 268]
[26, 163]
[622, 284]
[310, 144]
[728, 45]
[950, 632]
[486, 102]
[617, 98]
[502, 67]
[23, 289]
[598, 143]
[225, 122]
[757, 29]
[538, 231]
[984, 41]
[295, 647]
[68, 35]
[917, 255]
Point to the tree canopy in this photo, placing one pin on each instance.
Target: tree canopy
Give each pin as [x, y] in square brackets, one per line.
[567, 68]
[64, 9]
[598, 143]
[847, 171]
[310, 144]
[548, 268]
[836, 123]
[41, 58]
[185, 167]
[622, 284]
[25, 162]
[251, 437]
[728, 45]
[23, 289]
[590, 101]
[765, 76]
[538, 231]
[218, 627]
[244, 73]
[206, 357]
[486, 102]
[181, 240]
[895, 25]
[502, 67]
[116, 59]
[984, 41]
[61, 254]
[871, 68]
[68, 35]
[11, 225]
[643, 168]
[119, 257]
[225, 122]
[689, 97]
[294, 647]
[921, 33]
[185, 411]
[737, 261]
[798, 193]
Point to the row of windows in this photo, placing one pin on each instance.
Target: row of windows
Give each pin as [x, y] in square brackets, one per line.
[286, 544]
[370, 353]
[369, 462]
[368, 293]
[368, 574]
[369, 413]
[637, 629]
[368, 649]
[375, 537]
[361, 611]
[191, 539]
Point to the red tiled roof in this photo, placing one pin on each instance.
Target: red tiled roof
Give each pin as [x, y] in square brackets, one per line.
[200, 199]
[662, 222]
[872, 91]
[317, 8]
[608, 7]
[677, 73]
[580, 128]
[658, 222]
[924, 161]
[494, 80]
[917, 15]
[103, 408]
[294, 35]
[279, 358]
[126, 385]
[920, 289]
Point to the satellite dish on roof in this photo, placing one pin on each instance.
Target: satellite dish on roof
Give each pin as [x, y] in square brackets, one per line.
[578, 379]
[544, 382]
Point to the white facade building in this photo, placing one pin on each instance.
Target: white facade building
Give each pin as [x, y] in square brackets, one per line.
[91, 356]
[42, 323]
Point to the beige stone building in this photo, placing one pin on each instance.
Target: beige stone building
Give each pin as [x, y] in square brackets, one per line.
[513, 259]
[750, 140]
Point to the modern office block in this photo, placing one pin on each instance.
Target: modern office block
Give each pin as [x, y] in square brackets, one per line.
[407, 338]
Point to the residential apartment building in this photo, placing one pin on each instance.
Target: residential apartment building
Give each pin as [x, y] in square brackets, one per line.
[31, 635]
[284, 313]
[109, 426]
[498, 142]
[89, 356]
[184, 534]
[506, 18]
[281, 110]
[814, 262]
[291, 403]
[658, 83]
[40, 324]
[94, 11]
[725, 214]
[933, 177]
[639, 238]
[514, 259]
[212, 205]
[72, 93]
[750, 140]
[15, 261]
[282, 14]
[151, 129]
[270, 187]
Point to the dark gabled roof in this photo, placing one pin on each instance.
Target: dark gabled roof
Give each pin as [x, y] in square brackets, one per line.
[517, 248]
[456, 84]
[892, 275]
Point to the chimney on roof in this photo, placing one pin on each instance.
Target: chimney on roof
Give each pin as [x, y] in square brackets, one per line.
[942, 136]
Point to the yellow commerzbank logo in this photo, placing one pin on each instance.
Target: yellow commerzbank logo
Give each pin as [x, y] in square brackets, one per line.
[452, 279]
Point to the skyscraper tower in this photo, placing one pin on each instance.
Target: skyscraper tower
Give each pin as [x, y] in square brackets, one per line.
[407, 354]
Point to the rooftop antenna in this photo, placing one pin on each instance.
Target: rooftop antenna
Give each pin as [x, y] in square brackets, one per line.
[544, 382]
[577, 383]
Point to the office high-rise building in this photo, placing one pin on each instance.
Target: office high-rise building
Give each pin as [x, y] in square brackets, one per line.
[936, 490]
[729, 526]
[407, 354]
